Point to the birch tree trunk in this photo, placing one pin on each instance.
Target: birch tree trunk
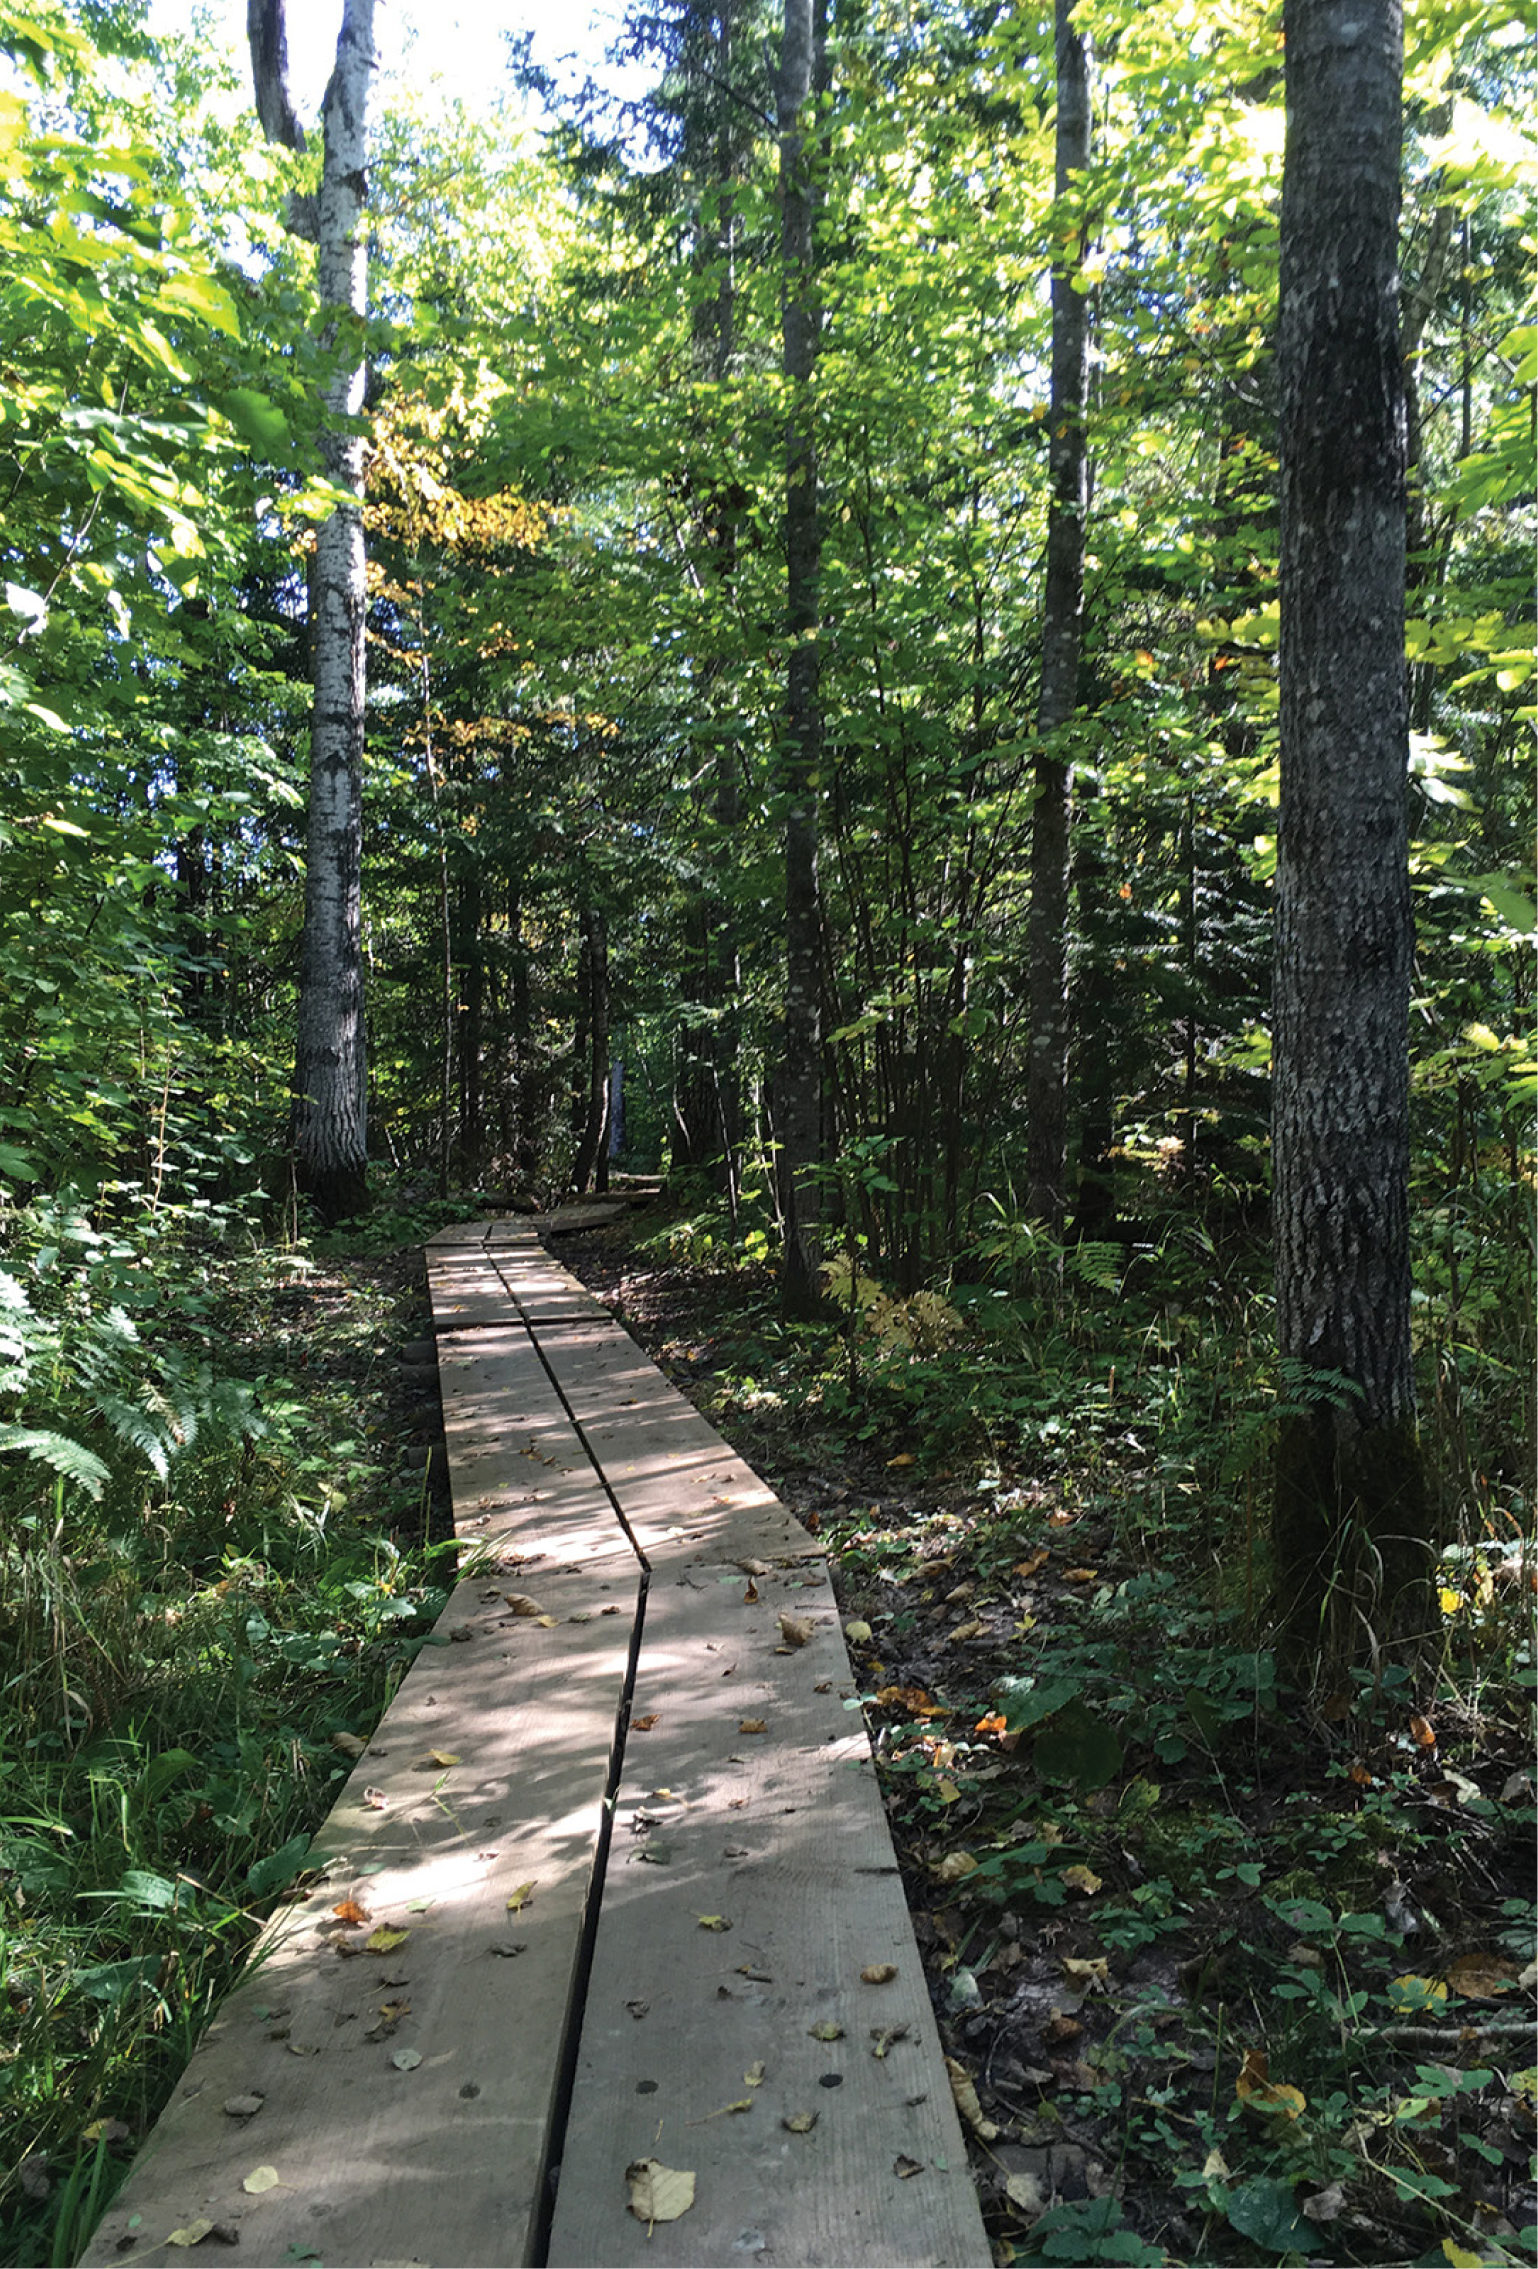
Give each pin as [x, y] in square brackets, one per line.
[1062, 624]
[799, 1087]
[1352, 1534]
[329, 1127]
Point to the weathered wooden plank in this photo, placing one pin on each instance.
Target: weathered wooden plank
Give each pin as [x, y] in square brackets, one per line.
[781, 1836]
[521, 1478]
[443, 2162]
[681, 1489]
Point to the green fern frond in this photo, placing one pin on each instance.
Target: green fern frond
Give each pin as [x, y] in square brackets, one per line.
[70, 1459]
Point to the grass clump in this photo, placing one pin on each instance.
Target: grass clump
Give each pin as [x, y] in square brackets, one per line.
[206, 1571]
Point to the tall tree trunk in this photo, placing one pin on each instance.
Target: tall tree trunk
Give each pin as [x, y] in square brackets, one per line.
[591, 1154]
[799, 1088]
[1047, 1076]
[330, 1109]
[1352, 1533]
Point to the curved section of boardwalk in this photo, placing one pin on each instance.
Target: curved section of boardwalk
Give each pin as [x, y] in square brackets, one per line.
[633, 1836]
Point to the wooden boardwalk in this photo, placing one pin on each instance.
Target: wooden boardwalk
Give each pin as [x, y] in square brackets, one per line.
[615, 1878]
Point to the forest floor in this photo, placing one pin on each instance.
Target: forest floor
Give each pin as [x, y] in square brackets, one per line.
[1234, 1981]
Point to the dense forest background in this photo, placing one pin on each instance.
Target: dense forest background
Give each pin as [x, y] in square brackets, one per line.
[590, 806]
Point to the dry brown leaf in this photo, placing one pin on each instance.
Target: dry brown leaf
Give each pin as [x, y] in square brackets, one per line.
[348, 1744]
[520, 1898]
[752, 1725]
[754, 1567]
[644, 1725]
[904, 1457]
[799, 2122]
[964, 2089]
[972, 1629]
[658, 2193]
[261, 2179]
[825, 2031]
[351, 1910]
[1481, 1977]
[913, 1699]
[759, 1977]
[905, 2168]
[1025, 1569]
[1060, 2027]
[243, 2107]
[750, 1596]
[521, 1604]
[879, 1973]
[886, 2037]
[1026, 2196]
[955, 1867]
[1258, 2092]
[1094, 1976]
[1060, 1520]
[1423, 1733]
[794, 1631]
[1080, 1575]
[385, 1939]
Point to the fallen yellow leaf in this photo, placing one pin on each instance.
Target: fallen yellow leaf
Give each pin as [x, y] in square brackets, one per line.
[904, 1457]
[1082, 1879]
[1080, 1575]
[1091, 1975]
[521, 1897]
[193, 2234]
[658, 2193]
[825, 2031]
[521, 1604]
[754, 2075]
[857, 1632]
[800, 2122]
[794, 1631]
[260, 2179]
[752, 1725]
[955, 1867]
[713, 1922]
[444, 1757]
[384, 1940]
[964, 2089]
[1411, 1992]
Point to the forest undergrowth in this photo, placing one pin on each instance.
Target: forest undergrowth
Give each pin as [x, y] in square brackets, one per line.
[215, 1565]
[1238, 1974]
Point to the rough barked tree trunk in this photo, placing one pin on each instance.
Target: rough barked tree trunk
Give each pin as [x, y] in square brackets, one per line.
[717, 148]
[1062, 613]
[799, 1087]
[1353, 1555]
[330, 1111]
